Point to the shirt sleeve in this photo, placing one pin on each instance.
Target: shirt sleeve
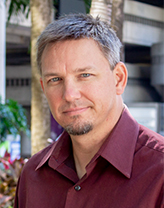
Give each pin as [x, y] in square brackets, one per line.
[16, 204]
[160, 202]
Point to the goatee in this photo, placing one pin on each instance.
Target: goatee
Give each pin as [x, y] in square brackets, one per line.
[78, 129]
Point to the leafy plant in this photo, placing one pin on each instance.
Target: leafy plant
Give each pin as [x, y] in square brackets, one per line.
[13, 119]
[17, 6]
[9, 174]
[87, 5]
[23, 6]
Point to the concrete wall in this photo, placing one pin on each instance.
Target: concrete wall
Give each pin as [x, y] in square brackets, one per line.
[143, 10]
[157, 69]
[143, 23]
[137, 33]
[18, 86]
[71, 6]
[137, 90]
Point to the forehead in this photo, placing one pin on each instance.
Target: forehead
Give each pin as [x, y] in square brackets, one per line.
[73, 55]
[71, 40]
[77, 45]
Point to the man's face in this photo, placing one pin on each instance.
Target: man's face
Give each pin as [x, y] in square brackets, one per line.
[79, 85]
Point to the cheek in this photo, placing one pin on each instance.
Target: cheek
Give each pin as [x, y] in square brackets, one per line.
[98, 94]
[53, 98]
[102, 90]
[105, 93]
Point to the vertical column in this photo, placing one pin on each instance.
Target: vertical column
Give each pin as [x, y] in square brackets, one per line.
[157, 69]
[2, 50]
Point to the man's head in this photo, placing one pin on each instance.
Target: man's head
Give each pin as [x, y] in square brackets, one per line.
[78, 26]
[81, 75]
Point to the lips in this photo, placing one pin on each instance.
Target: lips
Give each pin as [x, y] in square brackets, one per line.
[75, 111]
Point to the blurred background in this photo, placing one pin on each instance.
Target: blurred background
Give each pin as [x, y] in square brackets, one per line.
[142, 34]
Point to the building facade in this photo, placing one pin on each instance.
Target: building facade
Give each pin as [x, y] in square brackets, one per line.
[143, 39]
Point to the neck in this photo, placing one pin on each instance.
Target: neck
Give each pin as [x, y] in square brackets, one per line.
[84, 151]
[87, 145]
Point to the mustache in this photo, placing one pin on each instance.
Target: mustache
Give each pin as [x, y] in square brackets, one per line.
[65, 107]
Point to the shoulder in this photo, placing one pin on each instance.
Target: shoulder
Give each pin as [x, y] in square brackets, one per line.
[149, 153]
[150, 139]
[40, 158]
[150, 147]
[35, 160]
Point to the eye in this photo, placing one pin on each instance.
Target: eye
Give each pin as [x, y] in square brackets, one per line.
[86, 75]
[55, 79]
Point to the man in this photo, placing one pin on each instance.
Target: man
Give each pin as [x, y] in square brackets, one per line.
[104, 158]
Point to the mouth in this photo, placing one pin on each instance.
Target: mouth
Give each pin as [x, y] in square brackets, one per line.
[75, 111]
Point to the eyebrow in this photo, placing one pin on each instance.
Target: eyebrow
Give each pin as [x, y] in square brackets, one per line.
[84, 69]
[49, 74]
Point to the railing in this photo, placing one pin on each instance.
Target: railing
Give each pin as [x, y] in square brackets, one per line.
[17, 82]
[144, 21]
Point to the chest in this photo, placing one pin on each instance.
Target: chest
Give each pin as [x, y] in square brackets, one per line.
[103, 187]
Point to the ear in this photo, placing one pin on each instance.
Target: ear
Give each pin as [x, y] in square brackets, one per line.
[41, 83]
[121, 75]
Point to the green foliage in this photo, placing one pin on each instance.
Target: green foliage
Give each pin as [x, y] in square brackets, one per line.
[87, 5]
[9, 174]
[17, 6]
[23, 6]
[13, 119]
[55, 3]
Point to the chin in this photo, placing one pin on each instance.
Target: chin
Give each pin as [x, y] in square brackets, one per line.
[78, 129]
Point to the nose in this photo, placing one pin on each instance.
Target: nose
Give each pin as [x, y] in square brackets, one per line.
[71, 91]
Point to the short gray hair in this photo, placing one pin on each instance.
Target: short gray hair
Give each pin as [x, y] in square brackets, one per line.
[77, 26]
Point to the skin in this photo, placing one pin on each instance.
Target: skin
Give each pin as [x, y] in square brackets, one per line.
[83, 91]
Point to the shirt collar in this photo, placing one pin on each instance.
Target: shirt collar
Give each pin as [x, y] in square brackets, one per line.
[49, 153]
[60, 150]
[118, 149]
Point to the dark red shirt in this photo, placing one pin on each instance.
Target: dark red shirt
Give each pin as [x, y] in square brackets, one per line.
[127, 172]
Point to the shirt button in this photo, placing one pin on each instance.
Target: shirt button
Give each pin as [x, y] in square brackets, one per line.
[77, 188]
